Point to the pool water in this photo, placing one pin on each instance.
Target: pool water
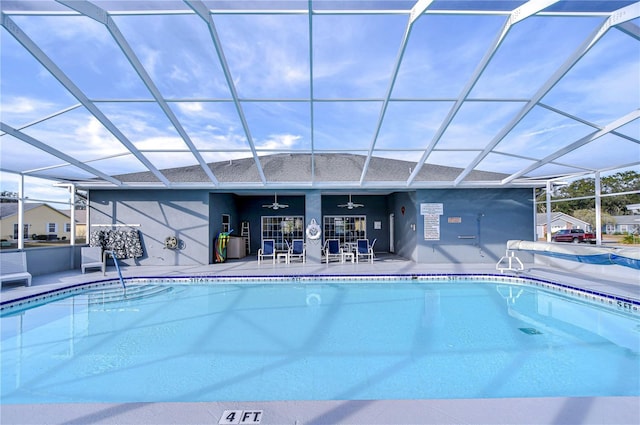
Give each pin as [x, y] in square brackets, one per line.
[325, 341]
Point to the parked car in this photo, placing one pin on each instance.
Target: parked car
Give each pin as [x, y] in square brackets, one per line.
[574, 236]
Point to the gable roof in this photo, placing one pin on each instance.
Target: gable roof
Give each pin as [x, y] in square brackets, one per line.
[8, 209]
[541, 219]
[330, 169]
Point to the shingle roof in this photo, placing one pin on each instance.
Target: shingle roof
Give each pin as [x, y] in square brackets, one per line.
[8, 209]
[328, 168]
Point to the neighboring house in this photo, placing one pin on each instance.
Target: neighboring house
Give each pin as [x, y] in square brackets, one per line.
[624, 224]
[39, 219]
[559, 220]
[81, 222]
[634, 208]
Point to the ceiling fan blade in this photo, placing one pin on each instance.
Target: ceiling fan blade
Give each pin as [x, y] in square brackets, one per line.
[350, 205]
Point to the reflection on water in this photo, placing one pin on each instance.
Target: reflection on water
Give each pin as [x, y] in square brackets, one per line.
[553, 312]
[318, 341]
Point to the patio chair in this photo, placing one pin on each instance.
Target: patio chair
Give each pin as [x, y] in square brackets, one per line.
[332, 250]
[365, 250]
[91, 257]
[268, 250]
[297, 250]
[13, 267]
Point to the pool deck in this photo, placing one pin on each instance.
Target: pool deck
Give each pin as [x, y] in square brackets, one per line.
[557, 410]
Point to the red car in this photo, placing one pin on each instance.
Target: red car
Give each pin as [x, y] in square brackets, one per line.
[574, 236]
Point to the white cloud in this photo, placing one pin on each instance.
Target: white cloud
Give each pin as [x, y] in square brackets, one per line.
[190, 107]
[24, 105]
[267, 53]
[66, 28]
[179, 75]
[547, 130]
[93, 132]
[20, 110]
[279, 141]
[150, 59]
[161, 143]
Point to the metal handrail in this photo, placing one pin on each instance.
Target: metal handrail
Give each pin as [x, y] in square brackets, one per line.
[115, 261]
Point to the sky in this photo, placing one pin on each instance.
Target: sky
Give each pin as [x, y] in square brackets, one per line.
[351, 66]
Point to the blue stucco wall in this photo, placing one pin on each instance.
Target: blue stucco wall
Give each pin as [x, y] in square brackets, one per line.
[482, 220]
[251, 209]
[219, 204]
[160, 213]
[405, 236]
[376, 208]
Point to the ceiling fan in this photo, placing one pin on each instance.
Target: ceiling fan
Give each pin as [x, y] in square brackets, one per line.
[275, 205]
[350, 205]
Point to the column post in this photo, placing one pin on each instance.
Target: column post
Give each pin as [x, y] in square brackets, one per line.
[313, 210]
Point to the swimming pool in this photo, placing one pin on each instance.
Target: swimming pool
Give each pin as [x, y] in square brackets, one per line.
[195, 339]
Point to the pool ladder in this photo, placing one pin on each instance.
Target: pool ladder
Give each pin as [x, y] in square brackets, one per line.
[514, 263]
[115, 261]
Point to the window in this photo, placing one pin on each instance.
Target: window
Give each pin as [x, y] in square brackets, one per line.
[347, 228]
[67, 227]
[52, 227]
[25, 230]
[281, 228]
[226, 222]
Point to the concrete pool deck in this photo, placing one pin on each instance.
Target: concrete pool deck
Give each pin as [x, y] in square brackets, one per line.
[556, 410]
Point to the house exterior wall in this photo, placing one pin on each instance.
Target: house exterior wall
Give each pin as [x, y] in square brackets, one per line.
[250, 208]
[474, 227]
[376, 208]
[559, 221]
[38, 220]
[160, 213]
[475, 224]
[624, 224]
[222, 203]
[405, 224]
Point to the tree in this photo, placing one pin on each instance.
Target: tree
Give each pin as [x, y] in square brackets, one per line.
[7, 196]
[627, 181]
[589, 215]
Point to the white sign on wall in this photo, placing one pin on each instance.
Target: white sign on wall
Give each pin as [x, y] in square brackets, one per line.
[431, 213]
[431, 209]
[432, 227]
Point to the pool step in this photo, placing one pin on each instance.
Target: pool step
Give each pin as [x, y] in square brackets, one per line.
[117, 294]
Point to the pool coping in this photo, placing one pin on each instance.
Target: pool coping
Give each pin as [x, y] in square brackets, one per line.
[514, 411]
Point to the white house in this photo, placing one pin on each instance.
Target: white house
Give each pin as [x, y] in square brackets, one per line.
[559, 220]
[624, 224]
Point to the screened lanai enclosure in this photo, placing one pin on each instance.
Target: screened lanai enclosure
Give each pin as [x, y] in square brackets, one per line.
[400, 106]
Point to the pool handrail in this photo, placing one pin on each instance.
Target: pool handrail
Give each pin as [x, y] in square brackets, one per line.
[115, 261]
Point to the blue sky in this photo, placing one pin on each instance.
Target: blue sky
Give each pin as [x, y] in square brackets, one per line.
[352, 67]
